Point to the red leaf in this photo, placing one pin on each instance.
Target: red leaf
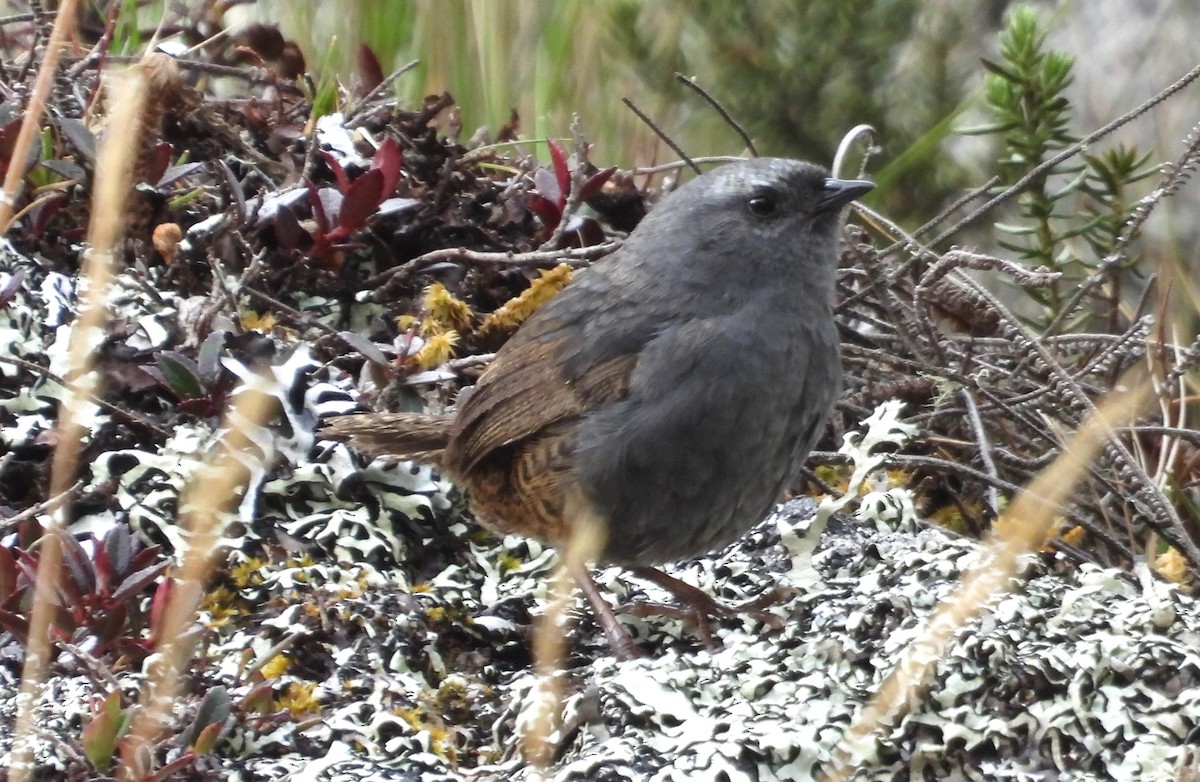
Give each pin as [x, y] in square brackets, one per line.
[207, 739]
[258, 699]
[548, 212]
[288, 232]
[79, 567]
[9, 291]
[103, 567]
[318, 210]
[28, 566]
[138, 581]
[162, 161]
[331, 205]
[45, 212]
[14, 623]
[8, 574]
[100, 735]
[8, 139]
[592, 184]
[118, 547]
[362, 199]
[388, 159]
[370, 72]
[109, 625]
[158, 606]
[339, 173]
[558, 156]
[143, 558]
[178, 764]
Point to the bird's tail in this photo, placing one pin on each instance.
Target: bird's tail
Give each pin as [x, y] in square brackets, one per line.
[414, 436]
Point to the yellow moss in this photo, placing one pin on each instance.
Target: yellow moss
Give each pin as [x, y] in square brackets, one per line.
[515, 311]
[221, 597]
[275, 667]
[872, 482]
[221, 605]
[298, 699]
[441, 738]
[406, 322]
[453, 692]
[350, 592]
[508, 563]
[245, 574]
[252, 321]
[437, 350]
[1074, 535]
[1006, 526]
[221, 617]
[834, 475]
[1172, 565]
[412, 716]
[951, 518]
[445, 311]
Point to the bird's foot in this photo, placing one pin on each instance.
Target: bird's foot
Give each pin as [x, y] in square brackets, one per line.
[699, 609]
[619, 639]
[695, 607]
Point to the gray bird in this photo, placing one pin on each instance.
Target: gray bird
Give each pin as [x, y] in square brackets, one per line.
[671, 391]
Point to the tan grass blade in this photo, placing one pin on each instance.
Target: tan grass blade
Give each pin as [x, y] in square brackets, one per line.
[1030, 520]
[207, 501]
[542, 716]
[64, 22]
[113, 166]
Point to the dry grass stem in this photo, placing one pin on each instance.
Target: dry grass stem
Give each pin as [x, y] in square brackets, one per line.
[108, 209]
[544, 710]
[207, 502]
[1022, 529]
[64, 19]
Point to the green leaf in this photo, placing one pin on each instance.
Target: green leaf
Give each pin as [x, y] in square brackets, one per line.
[1015, 230]
[181, 373]
[103, 731]
[999, 70]
[214, 710]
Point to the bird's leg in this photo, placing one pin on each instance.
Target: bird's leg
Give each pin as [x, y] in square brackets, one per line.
[619, 639]
[588, 531]
[699, 608]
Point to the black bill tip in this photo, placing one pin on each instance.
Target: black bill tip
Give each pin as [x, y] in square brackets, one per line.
[839, 192]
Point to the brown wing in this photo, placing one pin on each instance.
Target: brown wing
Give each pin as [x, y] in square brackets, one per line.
[513, 441]
[526, 391]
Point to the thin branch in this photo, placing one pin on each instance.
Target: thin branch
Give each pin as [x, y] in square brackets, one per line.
[690, 81]
[355, 112]
[662, 135]
[114, 410]
[577, 256]
[678, 164]
[983, 448]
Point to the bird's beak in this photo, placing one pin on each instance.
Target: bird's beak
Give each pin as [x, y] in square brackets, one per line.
[838, 192]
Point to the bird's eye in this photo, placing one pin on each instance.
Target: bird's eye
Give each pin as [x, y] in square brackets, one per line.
[763, 203]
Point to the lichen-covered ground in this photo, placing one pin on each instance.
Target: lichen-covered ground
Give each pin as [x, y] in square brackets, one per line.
[406, 627]
[359, 625]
